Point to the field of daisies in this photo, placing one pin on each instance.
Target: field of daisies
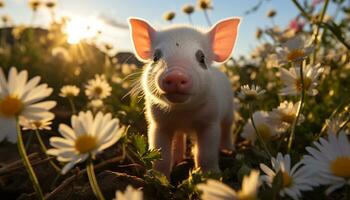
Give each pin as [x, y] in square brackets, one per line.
[72, 122]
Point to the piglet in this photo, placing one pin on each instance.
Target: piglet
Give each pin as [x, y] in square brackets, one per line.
[184, 94]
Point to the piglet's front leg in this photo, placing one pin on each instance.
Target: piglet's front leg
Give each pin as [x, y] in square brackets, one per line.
[208, 142]
[161, 138]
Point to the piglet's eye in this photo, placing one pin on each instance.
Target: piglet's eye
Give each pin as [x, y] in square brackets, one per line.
[201, 59]
[157, 55]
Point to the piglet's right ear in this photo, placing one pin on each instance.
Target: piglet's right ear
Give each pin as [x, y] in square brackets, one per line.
[142, 34]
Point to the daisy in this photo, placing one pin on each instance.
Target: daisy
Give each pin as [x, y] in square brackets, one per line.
[204, 4]
[295, 179]
[95, 104]
[250, 93]
[41, 124]
[216, 190]
[294, 50]
[329, 161]
[20, 98]
[98, 88]
[284, 115]
[88, 136]
[281, 36]
[264, 128]
[291, 80]
[34, 4]
[129, 194]
[69, 91]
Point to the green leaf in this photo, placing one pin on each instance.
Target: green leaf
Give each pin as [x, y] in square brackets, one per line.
[160, 178]
[140, 143]
[159, 184]
[145, 155]
[149, 156]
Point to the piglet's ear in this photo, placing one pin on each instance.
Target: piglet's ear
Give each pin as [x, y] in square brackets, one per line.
[223, 38]
[142, 34]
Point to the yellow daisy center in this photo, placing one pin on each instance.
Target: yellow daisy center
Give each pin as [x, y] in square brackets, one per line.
[264, 131]
[251, 96]
[295, 54]
[307, 83]
[287, 179]
[85, 143]
[70, 94]
[289, 118]
[341, 167]
[37, 124]
[10, 106]
[98, 90]
[243, 196]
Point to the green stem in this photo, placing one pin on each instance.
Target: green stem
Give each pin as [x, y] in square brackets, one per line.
[190, 19]
[261, 140]
[92, 179]
[52, 186]
[317, 32]
[320, 19]
[343, 125]
[326, 125]
[52, 16]
[29, 141]
[207, 17]
[301, 9]
[72, 105]
[33, 18]
[295, 122]
[26, 163]
[44, 150]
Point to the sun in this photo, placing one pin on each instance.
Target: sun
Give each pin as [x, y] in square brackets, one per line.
[78, 29]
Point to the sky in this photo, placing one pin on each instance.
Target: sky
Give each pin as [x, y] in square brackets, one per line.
[153, 10]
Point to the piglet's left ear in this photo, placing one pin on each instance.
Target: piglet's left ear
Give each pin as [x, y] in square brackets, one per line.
[223, 38]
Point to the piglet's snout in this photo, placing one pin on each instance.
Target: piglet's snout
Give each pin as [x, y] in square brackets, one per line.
[176, 81]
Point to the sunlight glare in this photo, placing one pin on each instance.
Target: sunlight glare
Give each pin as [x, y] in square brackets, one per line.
[79, 29]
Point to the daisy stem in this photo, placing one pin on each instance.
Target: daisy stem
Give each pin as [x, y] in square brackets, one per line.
[26, 163]
[326, 125]
[92, 179]
[72, 105]
[207, 17]
[261, 140]
[302, 97]
[301, 9]
[44, 149]
[315, 36]
[29, 141]
[343, 125]
[190, 19]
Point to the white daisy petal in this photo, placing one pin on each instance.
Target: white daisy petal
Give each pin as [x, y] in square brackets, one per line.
[17, 98]
[215, 190]
[88, 135]
[327, 160]
[295, 180]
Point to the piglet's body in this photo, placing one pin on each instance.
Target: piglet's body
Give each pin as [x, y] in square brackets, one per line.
[184, 95]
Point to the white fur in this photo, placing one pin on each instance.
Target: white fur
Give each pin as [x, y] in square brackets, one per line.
[207, 115]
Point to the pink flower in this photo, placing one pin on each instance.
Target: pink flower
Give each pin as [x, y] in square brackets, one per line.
[296, 24]
[315, 3]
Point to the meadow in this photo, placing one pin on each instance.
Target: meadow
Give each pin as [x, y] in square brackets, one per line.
[72, 122]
